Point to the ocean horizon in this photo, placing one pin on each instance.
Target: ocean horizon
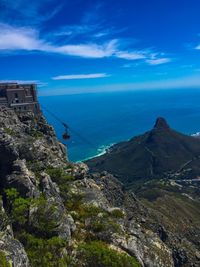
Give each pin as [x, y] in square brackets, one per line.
[99, 120]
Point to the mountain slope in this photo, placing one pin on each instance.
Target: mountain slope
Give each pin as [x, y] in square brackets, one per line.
[54, 213]
[159, 152]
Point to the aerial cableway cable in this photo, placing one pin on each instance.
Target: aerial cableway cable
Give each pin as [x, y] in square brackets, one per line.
[67, 128]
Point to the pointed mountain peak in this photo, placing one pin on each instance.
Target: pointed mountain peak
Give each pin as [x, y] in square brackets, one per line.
[161, 123]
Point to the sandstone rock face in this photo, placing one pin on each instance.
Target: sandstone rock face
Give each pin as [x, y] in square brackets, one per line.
[105, 191]
[28, 146]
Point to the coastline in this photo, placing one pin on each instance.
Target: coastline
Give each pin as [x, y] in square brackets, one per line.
[105, 148]
[100, 151]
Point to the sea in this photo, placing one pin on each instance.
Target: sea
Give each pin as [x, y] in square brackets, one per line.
[98, 120]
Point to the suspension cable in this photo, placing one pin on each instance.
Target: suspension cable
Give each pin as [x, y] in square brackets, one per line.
[71, 129]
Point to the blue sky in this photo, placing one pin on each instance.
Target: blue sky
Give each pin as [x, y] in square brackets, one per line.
[85, 46]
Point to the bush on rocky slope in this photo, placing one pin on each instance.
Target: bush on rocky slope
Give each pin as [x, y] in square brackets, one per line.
[98, 254]
[3, 260]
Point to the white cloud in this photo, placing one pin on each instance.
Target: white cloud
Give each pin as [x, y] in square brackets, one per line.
[158, 61]
[84, 50]
[130, 55]
[23, 38]
[81, 76]
[13, 38]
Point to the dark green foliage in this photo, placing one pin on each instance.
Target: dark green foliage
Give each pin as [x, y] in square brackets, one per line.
[11, 195]
[39, 238]
[18, 208]
[58, 175]
[9, 131]
[3, 260]
[98, 254]
[117, 213]
[61, 178]
[74, 201]
[100, 220]
[35, 166]
[36, 134]
[91, 211]
[45, 252]
[45, 223]
[96, 221]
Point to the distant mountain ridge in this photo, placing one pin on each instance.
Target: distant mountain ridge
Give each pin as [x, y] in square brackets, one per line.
[160, 152]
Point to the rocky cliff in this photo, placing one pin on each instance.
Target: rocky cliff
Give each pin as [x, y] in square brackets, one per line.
[55, 213]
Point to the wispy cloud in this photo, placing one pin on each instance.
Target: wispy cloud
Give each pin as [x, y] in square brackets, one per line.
[158, 61]
[135, 55]
[76, 30]
[19, 38]
[25, 13]
[81, 76]
[24, 38]
[13, 38]
[90, 50]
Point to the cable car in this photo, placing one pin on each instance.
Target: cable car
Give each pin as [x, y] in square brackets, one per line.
[66, 135]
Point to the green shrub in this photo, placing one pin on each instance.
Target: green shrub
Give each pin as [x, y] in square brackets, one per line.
[35, 166]
[107, 226]
[58, 175]
[3, 260]
[83, 212]
[20, 211]
[9, 131]
[36, 134]
[62, 179]
[74, 202]
[18, 208]
[11, 195]
[117, 214]
[45, 252]
[92, 211]
[45, 222]
[98, 254]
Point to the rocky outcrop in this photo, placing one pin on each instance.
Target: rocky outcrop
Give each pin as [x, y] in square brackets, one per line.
[28, 146]
[106, 192]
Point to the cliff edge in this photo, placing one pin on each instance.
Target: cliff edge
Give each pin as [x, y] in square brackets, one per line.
[55, 213]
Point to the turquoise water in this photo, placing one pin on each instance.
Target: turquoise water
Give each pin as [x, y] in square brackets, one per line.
[101, 119]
